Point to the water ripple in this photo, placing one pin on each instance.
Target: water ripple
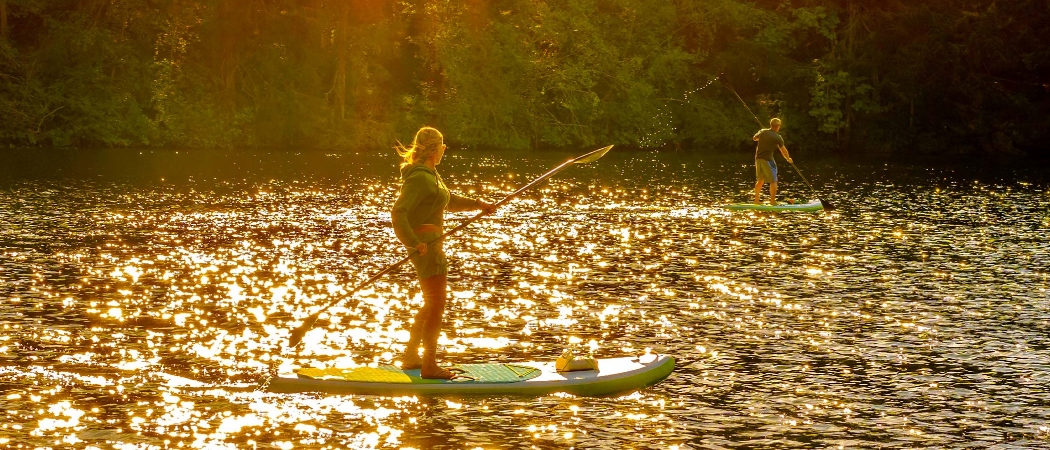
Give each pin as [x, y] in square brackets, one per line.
[145, 294]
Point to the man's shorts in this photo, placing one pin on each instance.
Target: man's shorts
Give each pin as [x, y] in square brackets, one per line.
[432, 263]
[766, 171]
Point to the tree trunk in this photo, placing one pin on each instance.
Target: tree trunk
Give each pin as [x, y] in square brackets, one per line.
[911, 114]
[851, 29]
[342, 41]
[423, 26]
[228, 47]
[3, 18]
[846, 135]
[847, 106]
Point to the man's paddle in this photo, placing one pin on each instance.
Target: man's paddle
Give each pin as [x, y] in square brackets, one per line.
[297, 334]
[826, 204]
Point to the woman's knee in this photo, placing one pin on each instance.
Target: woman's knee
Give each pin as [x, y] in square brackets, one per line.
[433, 288]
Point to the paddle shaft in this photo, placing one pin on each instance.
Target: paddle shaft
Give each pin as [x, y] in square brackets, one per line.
[802, 176]
[742, 102]
[298, 334]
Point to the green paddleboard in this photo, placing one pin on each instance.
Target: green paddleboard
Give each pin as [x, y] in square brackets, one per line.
[614, 375]
[813, 205]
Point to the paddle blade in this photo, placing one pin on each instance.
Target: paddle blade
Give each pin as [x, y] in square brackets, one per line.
[298, 333]
[592, 156]
[826, 204]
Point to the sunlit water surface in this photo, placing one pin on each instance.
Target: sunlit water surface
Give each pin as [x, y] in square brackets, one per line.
[916, 315]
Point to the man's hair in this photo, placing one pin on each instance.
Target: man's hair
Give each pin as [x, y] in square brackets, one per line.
[774, 122]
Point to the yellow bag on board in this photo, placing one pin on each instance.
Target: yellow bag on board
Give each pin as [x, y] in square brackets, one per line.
[570, 362]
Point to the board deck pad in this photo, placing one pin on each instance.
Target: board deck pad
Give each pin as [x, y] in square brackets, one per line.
[472, 373]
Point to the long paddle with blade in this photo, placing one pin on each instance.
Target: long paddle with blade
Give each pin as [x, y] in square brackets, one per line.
[297, 334]
[826, 204]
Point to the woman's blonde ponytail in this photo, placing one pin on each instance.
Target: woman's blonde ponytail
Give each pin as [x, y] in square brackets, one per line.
[427, 142]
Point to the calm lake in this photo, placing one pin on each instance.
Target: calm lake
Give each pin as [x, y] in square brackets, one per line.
[916, 315]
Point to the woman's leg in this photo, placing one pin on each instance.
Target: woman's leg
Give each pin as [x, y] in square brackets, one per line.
[433, 312]
[411, 360]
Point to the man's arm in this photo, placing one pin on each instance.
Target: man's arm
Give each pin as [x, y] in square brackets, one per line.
[784, 151]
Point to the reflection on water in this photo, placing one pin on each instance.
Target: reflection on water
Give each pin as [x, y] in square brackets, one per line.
[144, 294]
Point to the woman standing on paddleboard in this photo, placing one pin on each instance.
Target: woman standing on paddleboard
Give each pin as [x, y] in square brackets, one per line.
[418, 216]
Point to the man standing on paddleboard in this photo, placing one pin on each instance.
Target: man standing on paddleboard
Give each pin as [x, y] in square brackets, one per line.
[418, 217]
[765, 166]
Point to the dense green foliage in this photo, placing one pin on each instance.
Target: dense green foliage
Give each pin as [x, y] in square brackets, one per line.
[939, 77]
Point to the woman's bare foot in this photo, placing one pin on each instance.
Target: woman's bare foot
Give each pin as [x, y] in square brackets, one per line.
[411, 361]
[438, 373]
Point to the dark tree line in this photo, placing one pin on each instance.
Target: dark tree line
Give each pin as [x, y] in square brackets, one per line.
[847, 76]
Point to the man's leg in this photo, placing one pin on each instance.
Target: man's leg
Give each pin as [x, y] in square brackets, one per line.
[772, 193]
[758, 191]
